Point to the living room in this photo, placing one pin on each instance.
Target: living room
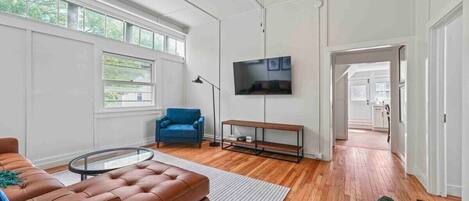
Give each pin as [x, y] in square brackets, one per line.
[97, 92]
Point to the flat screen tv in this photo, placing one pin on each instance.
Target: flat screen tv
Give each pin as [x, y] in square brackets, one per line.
[263, 76]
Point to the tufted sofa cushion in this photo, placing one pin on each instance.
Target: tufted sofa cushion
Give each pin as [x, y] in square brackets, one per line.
[146, 181]
[35, 181]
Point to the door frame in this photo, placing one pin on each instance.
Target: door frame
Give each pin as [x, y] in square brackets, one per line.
[326, 95]
[437, 178]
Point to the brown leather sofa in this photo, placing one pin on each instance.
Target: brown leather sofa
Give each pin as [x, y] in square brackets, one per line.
[146, 181]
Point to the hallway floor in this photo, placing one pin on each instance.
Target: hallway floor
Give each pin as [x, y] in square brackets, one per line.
[366, 139]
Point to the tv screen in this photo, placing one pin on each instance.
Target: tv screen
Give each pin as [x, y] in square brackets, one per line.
[263, 76]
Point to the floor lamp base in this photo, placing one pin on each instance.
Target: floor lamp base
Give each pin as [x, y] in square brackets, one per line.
[214, 144]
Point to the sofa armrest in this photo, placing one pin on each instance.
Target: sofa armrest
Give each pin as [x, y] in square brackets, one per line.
[8, 145]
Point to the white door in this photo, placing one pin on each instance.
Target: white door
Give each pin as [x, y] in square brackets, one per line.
[360, 114]
[445, 72]
[453, 104]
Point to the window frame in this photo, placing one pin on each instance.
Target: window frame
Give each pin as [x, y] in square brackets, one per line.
[152, 84]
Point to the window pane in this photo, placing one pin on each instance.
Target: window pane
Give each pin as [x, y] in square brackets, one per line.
[146, 38]
[94, 22]
[358, 93]
[180, 48]
[123, 69]
[132, 34]
[171, 46]
[81, 18]
[13, 6]
[159, 42]
[63, 14]
[127, 95]
[114, 29]
[43, 10]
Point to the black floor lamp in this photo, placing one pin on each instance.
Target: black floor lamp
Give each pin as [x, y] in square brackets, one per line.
[198, 80]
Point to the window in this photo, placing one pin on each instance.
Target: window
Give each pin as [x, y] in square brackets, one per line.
[382, 92]
[73, 16]
[62, 20]
[13, 6]
[132, 34]
[94, 22]
[171, 46]
[358, 93]
[43, 10]
[146, 38]
[180, 48]
[127, 82]
[114, 29]
[158, 42]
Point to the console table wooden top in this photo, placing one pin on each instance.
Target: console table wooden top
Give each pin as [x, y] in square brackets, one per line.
[255, 124]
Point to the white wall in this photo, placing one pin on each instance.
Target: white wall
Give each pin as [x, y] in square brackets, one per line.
[368, 20]
[12, 84]
[465, 109]
[291, 30]
[53, 92]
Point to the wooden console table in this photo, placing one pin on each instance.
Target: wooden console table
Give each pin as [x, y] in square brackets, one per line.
[258, 146]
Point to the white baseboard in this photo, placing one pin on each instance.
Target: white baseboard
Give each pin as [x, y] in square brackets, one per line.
[63, 159]
[454, 190]
[422, 178]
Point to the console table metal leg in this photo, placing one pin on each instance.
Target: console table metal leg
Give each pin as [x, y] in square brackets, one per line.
[255, 141]
[263, 138]
[222, 144]
[297, 146]
[303, 143]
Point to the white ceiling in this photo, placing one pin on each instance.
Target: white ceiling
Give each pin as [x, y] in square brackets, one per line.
[187, 15]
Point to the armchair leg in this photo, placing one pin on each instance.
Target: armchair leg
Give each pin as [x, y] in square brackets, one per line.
[200, 145]
[158, 145]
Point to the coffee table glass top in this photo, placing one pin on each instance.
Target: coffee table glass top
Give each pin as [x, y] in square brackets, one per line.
[99, 162]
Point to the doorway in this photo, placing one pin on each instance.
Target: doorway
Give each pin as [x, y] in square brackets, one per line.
[366, 99]
[445, 105]
[363, 92]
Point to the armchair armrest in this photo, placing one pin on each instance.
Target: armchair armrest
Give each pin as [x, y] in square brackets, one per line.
[160, 121]
[8, 145]
[200, 125]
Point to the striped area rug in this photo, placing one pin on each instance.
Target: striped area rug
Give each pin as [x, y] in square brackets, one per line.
[224, 186]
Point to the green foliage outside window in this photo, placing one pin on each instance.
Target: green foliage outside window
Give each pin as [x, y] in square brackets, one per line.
[159, 42]
[43, 10]
[13, 6]
[146, 38]
[94, 22]
[114, 29]
[63, 14]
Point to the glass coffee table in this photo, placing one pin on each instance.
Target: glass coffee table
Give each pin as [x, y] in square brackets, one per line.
[99, 162]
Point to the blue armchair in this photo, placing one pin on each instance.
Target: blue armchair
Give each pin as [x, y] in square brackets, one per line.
[180, 125]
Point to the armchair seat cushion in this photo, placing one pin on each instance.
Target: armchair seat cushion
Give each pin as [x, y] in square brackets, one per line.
[179, 131]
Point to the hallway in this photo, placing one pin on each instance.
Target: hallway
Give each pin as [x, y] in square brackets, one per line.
[367, 139]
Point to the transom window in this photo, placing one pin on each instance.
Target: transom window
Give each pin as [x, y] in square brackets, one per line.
[128, 81]
[76, 17]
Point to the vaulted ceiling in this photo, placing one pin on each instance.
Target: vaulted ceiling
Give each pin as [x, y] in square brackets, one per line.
[184, 14]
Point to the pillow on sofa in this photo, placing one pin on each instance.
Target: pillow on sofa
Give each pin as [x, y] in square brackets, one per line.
[3, 197]
[165, 123]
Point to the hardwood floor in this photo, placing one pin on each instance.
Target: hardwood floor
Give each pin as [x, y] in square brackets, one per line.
[366, 139]
[355, 173]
